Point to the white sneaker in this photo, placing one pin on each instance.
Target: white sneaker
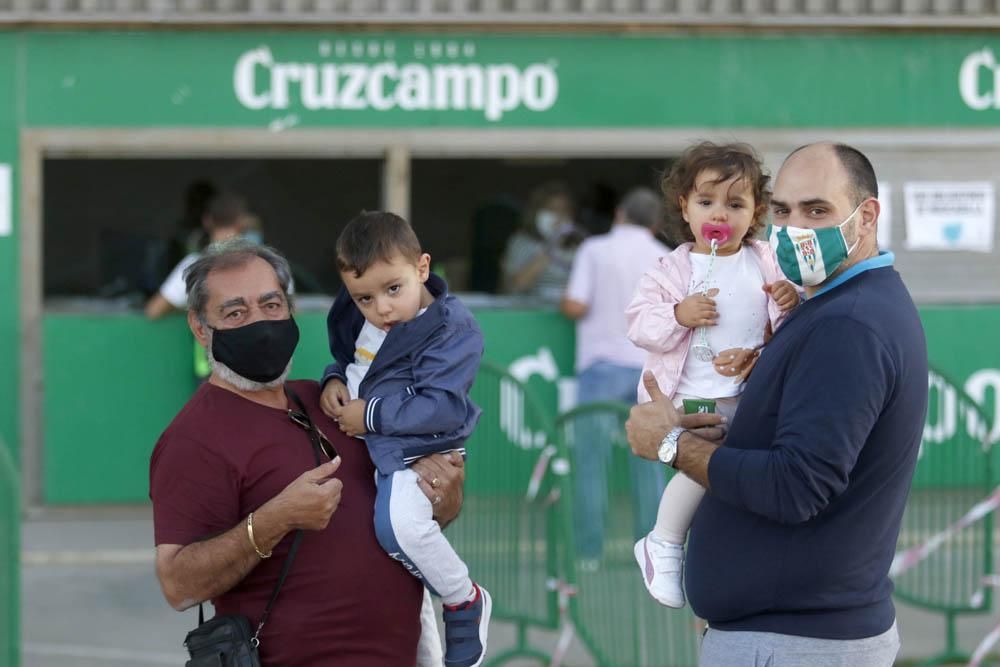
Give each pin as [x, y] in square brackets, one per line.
[662, 565]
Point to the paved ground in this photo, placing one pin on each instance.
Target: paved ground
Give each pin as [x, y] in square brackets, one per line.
[90, 599]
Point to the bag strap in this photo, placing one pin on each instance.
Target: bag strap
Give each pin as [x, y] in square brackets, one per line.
[297, 540]
[277, 587]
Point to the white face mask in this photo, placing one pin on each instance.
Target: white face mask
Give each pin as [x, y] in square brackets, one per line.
[547, 223]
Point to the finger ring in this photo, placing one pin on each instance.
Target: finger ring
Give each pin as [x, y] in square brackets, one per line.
[437, 499]
[435, 482]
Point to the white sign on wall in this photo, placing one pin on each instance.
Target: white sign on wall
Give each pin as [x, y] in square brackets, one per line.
[885, 216]
[949, 215]
[5, 200]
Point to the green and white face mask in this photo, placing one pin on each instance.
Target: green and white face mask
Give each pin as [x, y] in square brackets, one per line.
[807, 257]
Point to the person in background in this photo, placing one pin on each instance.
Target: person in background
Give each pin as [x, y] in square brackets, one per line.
[493, 223]
[189, 233]
[603, 278]
[539, 256]
[225, 217]
[598, 207]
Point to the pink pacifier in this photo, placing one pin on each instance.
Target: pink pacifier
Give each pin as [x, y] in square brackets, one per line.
[718, 233]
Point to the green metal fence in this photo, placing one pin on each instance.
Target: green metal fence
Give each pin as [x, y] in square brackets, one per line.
[953, 474]
[10, 560]
[616, 618]
[518, 530]
[507, 533]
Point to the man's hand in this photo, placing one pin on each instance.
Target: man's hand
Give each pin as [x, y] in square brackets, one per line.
[442, 479]
[310, 500]
[783, 293]
[736, 363]
[352, 418]
[650, 422]
[697, 310]
[335, 396]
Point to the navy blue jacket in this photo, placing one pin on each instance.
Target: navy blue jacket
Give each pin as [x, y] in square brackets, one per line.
[799, 528]
[417, 387]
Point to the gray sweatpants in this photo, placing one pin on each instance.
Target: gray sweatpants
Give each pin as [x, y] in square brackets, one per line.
[767, 649]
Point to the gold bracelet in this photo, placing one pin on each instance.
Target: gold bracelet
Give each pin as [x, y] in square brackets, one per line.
[253, 543]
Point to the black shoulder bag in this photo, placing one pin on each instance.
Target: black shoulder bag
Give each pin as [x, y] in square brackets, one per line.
[229, 641]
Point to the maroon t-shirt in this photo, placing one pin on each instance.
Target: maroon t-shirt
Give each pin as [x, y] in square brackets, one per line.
[345, 602]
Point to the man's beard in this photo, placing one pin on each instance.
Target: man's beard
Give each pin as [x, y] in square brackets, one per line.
[227, 374]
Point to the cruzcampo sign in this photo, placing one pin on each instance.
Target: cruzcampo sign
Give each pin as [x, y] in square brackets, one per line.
[284, 80]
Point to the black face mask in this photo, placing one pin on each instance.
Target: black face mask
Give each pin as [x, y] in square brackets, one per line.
[259, 351]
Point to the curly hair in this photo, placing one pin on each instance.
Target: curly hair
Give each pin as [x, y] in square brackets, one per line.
[726, 160]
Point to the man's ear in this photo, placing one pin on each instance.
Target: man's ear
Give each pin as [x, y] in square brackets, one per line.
[199, 330]
[868, 222]
[424, 267]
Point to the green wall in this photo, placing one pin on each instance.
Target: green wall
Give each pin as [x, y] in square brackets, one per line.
[113, 383]
[9, 249]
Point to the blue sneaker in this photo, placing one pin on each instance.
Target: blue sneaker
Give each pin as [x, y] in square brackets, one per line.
[465, 629]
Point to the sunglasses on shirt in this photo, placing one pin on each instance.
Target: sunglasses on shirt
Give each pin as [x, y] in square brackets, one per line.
[307, 425]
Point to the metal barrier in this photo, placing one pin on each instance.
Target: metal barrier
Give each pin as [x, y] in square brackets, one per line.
[614, 615]
[10, 560]
[518, 529]
[953, 473]
[506, 535]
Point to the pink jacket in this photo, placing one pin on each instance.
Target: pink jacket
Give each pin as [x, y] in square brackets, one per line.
[650, 316]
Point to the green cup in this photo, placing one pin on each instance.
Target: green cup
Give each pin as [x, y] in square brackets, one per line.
[693, 406]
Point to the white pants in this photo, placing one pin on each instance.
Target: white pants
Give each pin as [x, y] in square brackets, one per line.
[429, 651]
[681, 497]
[406, 529]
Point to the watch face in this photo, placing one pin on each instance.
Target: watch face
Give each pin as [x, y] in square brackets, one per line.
[668, 450]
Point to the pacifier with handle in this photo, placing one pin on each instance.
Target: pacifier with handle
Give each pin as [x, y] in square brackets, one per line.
[718, 233]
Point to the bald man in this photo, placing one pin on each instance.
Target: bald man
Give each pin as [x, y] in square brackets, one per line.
[789, 554]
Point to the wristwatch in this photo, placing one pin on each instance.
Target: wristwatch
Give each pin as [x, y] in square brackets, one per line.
[668, 446]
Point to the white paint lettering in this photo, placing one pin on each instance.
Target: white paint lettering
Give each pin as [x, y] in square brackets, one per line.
[354, 85]
[375, 91]
[319, 87]
[282, 76]
[245, 80]
[458, 87]
[414, 90]
[968, 80]
[503, 93]
[539, 88]
[978, 387]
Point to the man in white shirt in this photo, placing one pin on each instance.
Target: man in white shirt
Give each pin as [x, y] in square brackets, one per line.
[602, 281]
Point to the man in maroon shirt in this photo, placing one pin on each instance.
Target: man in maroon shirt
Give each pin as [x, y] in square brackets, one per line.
[233, 477]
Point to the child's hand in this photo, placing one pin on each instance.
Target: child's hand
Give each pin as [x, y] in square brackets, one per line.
[697, 310]
[335, 396]
[783, 293]
[352, 418]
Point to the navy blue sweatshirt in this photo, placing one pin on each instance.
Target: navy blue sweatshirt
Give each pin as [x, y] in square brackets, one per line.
[800, 525]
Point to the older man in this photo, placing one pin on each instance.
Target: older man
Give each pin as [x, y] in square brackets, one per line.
[790, 550]
[234, 476]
